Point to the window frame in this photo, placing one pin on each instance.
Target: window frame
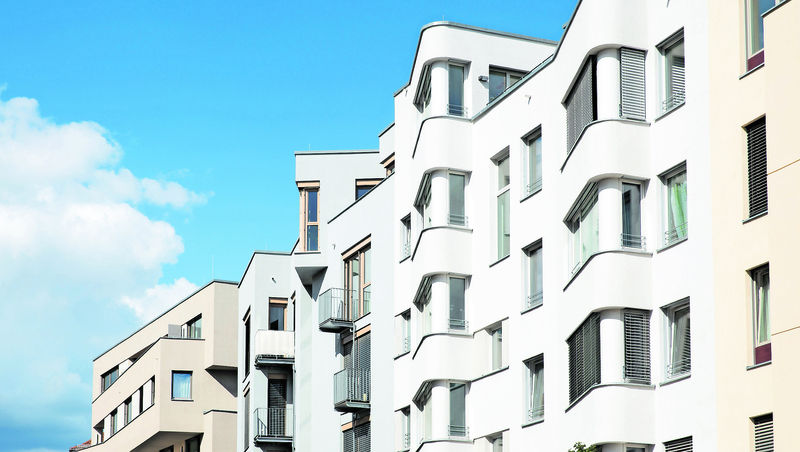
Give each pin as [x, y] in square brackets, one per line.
[672, 235]
[762, 349]
[636, 355]
[670, 334]
[422, 203]
[455, 325]
[305, 222]
[279, 303]
[247, 333]
[508, 75]
[496, 340]
[359, 253]
[453, 218]
[753, 18]
[194, 328]
[405, 224]
[581, 214]
[172, 393]
[671, 96]
[533, 413]
[583, 360]
[757, 188]
[111, 376]
[633, 241]
[503, 195]
[532, 172]
[453, 109]
[457, 431]
[533, 298]
[364, 185]
[763, 425]
[405, 326]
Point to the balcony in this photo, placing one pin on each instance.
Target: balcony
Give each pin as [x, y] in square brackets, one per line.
[339, 308]
[274, 425]
[351, 390]
[274, 347]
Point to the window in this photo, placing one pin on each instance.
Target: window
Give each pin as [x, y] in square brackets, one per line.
[534, 294]
[497, 348]
[309, 216]
[534, 388]
[422, 98]
[357, 439]
[637, 346]
[580, 104]
[406, 228]
[679, 339]
[499, 81]
[676, 210]
[497, 444]
[457, 320]
[108, 378]
[584, 225]
[673, 72]
[455, 99]
[181, 385]
[405, 432]
[532, 181]
[764, 440]
[246, 420]
[755, 30]
[458, 415]
[405, 325]
[632, 216]
[358, 280]
[762, 339]
[363, 186]
[168, 449]
[128, 411]
[503, 207]
[195, 327]
[277, 314]
[679, 445]
[456, 215]
[757, 167]
[584, 357]
[193, 444]
[115, 425]
[635, 448]
[247, 345]
[423, 201]
[632, 84]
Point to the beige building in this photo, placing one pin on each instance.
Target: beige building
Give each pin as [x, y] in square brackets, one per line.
[755, 180]
[171, 385]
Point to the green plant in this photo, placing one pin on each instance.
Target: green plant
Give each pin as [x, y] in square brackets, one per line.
[580, 447]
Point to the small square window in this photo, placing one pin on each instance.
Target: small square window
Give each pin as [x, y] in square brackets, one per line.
[181, 385]
[673, 84]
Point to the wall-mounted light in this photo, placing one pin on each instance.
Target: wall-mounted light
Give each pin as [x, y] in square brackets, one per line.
[483, 78]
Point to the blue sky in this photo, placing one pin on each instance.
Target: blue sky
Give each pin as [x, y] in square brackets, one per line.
[139, 139]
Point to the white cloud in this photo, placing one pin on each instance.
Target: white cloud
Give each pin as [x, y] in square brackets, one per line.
[79, 266]
[158, 299]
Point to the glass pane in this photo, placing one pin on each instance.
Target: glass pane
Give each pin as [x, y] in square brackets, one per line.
[756, 23]
[590, 231]
[457, 289]
[676, 204]
[181, 385]
[458, 415]
[311, 237]
[503, 175]
[456, 84]
[368, 266]
[195, 329]
[675, 74]
[631, 214]
[497, 84]
[536, 275]
[535, 164]
[361, 191]
[762, 312]
[457, 216]
[503, 226]
[312, 206]
[513, 79]
[277, 313]
[497, 349]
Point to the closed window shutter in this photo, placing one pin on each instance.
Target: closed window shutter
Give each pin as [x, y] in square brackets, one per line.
[764, 434]
[632, 103]
[678, 80]
[757, 166]
[679, 445]
[580, 104]
[584, 357]
[348, 441]
[362, 437]
[637, 346]
[363, 367]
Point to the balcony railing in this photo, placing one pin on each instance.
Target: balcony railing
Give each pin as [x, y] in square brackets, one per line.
[406, 344]
[633, 241]
[683, 366]
[533, 187]
[673, 101]
[351, 389]
[677, 233]
[457, 325]
[535, 413]
[456, 110]
[273, 423]
[406, 441]
[274, 346]
[338, 308]
[534, 299]
[458, 431]
[454, 219]
[406, 249]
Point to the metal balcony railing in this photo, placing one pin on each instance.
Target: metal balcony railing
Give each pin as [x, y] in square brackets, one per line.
[458, 431]
[677, 233]
[683, 366]
[533, 187]
[633, 241]
[334, 304]
[673, 101]
[406, 344]
[534, 299]
[351, 385]
[535, 413]
[456, 110]
[406, 249]
[454, 219]
[406, 441]
[457, 325]
[273, 422]
[272, 345]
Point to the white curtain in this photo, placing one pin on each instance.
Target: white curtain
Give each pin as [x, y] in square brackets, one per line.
[677, 205]
[181, 385]
[537, 401]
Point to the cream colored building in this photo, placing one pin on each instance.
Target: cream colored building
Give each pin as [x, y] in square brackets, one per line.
[755, 180]
[171, 385]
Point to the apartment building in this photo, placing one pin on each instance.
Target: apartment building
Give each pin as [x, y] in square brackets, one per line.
[171, 385]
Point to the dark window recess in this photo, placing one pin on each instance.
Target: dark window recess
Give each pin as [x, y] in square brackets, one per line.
[584, 357]
[757, 166]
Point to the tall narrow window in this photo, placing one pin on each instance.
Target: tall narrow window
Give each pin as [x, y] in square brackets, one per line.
[764, 434]
[497, 348]
[358, 281]
[405, 325]
[637, 346]
[533, 162]
[457, 320]
[757, 167]
[674, 73]
[309, 216]
[503, 207]
[277, 314]
[247, 345]
[534, 378]
[679, 340]
[276, 406]
[455, 105]
[128, 411]
[181, 385]
[247, 420]
[195, 328]
[584, 224]
[115, 422]
[761, 318]
[457, 213]
[422, 98]
[584, 357]
[406, 234]
[535, 291]
[458, 416]
[676, 209]
[423, 201]
[580, 104]
[755, 30]
[632, 84]
[632, 216]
